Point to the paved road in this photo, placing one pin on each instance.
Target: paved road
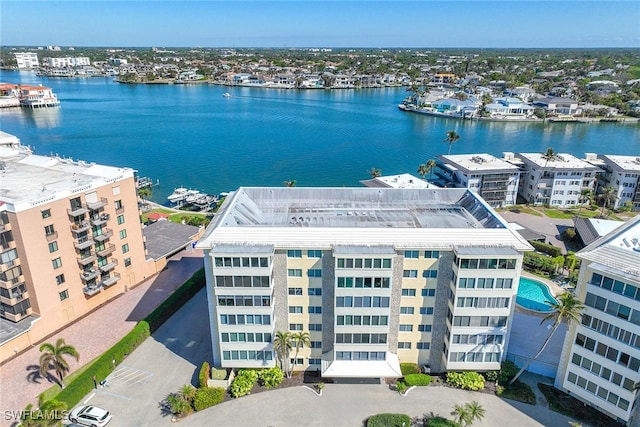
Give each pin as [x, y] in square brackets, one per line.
[95, 333]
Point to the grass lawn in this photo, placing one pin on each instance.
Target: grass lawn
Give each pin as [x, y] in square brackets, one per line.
[525, 210]
[192, 218]
[571, 213]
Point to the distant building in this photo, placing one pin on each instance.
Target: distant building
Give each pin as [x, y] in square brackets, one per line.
[377, 276]
[27, 60]
[553, 105]
[558, 181]
[600, 359]
[404, 180]
[70, 241]
[68, 61]
[621, 173]
[494, 179]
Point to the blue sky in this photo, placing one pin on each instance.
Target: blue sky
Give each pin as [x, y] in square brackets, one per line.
[418, 23]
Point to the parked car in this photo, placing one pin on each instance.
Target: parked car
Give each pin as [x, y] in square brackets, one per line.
[90, 416]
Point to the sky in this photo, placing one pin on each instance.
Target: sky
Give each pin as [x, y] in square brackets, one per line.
[324, 23]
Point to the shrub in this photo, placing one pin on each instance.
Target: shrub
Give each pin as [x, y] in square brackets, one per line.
[491, 375]
[207, 397]
[417, 379]
[518, 391]
[271, 378]
[466, 380]
[409, 368]
[243, 382]
[546, 248]
[205, 375]
[389, 420]
[540, 262]
[508, 370]
[401, 386]
[440, 422]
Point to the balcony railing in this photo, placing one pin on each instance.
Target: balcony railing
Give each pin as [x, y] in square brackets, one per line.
[52, 236]
[97, 205]
[105, 235]
[14, 297]
[83, 243]
[86, 259]
[112, 280]
[91, 290]
[77, 211]
[110, 266]
[99, 219]
[108, 250]
[80, 227]
[89, 274]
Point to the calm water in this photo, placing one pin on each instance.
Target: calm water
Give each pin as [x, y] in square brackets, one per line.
[192, 136]
[533, 295]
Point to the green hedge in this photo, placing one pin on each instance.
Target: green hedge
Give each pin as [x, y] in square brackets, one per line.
[546, 248]
[204, 375]
[243, 382]
[417, 379]
[270, 377]
[441, 422]
[466, 380]
[389, 420]
[409, 368]
[541, 262]
[104, 365]
[207, 397]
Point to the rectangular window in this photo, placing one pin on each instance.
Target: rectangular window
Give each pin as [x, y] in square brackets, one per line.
[123, 234]
[314, 253]
[430, 274]
[120, 219]
[314, 273]
[404, 345]
[432, 254]
[294, 272]
[49, 230]
[295, 309]
[125, 248]
[295, 326]
[406, 328]
[60, 279]
[410, 273]
[57, 263]
[315, 291]
[424, 328]
[53, 246]
[46, 213]
[118, 204]
[406, 310]
[426, 310]
[428, 292]
[294, 253]
[64, 295]
[315, 326]
[315, 309]
[316, 344]
[127, 262]
[408, 292]
[411, 254]
[423, 346]
[295, 291]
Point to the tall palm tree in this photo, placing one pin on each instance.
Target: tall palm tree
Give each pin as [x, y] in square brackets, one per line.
[282, 345]
[375, 172]
[585, 196]
[608, 195]
[300, 339]
[567, 307]
[422, 170]
[548, 156]
[452, 137]
[431, 165]
[53, 356]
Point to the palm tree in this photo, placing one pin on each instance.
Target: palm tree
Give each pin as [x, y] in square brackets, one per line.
[475, 411]
[422, 170]
[431, 165]
[375, 172]
[282, 345]
[585, 196]
[300, 339]
[291, 183]
[608, 195]
[567, 307]
[452, 137]
[461, 415]
[53, 356]
[548, 156]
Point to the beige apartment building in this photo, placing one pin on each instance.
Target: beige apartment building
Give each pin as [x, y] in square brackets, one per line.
[70, 240]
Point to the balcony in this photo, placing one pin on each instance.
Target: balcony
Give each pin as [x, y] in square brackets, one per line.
[97, 205]
[109, 281]
[79, 227]
[86, 259]
[99, 219]
[105, 235]
[89, 275]
[108, 250]
[14, 297]
[92, 290]
[110, 266]
[120, 210]
[83, 243]
[77, 211]
[52, 236]
[11, 283]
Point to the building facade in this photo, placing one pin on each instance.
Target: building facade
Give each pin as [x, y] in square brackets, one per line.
[495, 180]
[600, 359]
[622, 173]
[27, 60]
[70, 240]
[376, 276]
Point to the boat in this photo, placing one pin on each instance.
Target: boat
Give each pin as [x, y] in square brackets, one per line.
[226, 95]
[178, 195]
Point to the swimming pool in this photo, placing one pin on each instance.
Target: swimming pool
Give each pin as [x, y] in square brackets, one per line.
[533, 294]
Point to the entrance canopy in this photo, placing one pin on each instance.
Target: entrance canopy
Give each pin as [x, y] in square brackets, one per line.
[388, 368]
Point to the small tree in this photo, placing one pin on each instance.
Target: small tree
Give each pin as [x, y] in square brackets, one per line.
[375, 172]
[300, 339]
[53, 357]
[282, 344]
[452, 137]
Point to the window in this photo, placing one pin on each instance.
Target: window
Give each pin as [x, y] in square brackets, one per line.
[64, 295]
[294, 272]
[432, 254]
[295, 309]
[295, 291]
[316, 309]
[426, 310]
[125, 248]
[408, 292]
[294, 253]
[120, 219]
[315, 361]
[403, 345]
[428, 292]
[127, 262]
[314, 273]
[430, 274]
[46, 213]
[315, 326]
[423, 346]
[316, 344]
[57, 263]
[410, 273]
[411, 254]
[406, 310]
[49, 230]
[424, 328]
[118, 204]
[123, 234]
[314, 253]
[406, 328]
[314, 291]
[295, 326]
[60, 279]
[53, 246]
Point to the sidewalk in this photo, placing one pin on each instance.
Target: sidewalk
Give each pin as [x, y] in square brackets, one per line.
[111, 322]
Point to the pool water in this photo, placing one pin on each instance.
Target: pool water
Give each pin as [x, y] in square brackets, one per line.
[533, 295]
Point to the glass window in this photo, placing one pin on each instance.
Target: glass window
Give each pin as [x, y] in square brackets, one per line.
[294, 253]
[57, 263]
[64, 295]
[123, 234]
[46, 213]
[120, 219]
[49, 230]
[125, 248]
[60, 279]
[127, 262]
[53, 246]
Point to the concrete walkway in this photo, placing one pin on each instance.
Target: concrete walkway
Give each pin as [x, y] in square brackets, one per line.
[95, 333]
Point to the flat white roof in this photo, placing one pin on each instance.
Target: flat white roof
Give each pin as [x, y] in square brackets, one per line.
[561, 161]
[389, 368]
[622, 163]
[479, 163]
[404, 180]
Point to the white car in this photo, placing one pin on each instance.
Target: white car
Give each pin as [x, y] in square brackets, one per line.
[90, 416]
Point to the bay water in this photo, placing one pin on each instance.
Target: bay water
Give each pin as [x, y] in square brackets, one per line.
[191, 136]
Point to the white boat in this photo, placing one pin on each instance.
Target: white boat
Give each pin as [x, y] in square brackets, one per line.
[178, 195]
[226, 95]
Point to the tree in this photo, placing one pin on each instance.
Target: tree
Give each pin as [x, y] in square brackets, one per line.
[53, 357]
[50, 413]
[300, 339]
[452, 137]
[567, 307]
[431, 165]
[585, 196]
[375, 172]
[291, 183]
[282, 345]
[422, 170]
[548, 156]
[476, 412]
[461, 415]
[607, 196]
[145, 193]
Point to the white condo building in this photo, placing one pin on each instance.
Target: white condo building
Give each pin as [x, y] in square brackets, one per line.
[496, 180]
[377, 276]
[600, 359]
[69, 61]
[621, 173]
[557, 182]
[27, 60]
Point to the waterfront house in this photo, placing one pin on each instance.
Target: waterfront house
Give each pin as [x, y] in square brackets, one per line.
[523, 92]
[311, 81]
[455, 107]
[509, 108]
[558, 106]
[376, 276]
